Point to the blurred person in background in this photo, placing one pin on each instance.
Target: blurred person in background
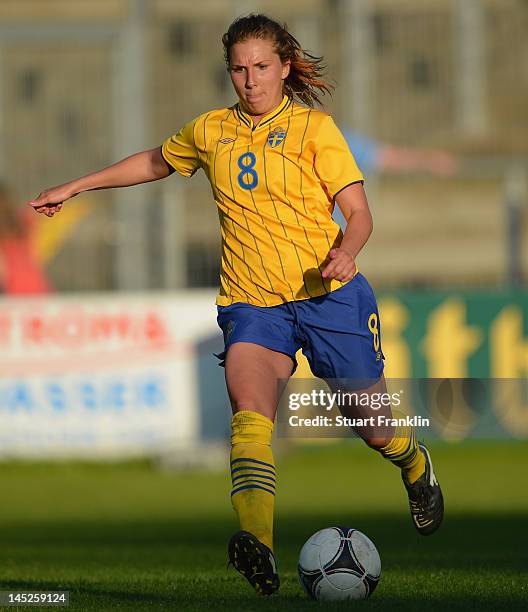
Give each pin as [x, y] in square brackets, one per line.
[21, 272]
[374, 156]
[289, 279]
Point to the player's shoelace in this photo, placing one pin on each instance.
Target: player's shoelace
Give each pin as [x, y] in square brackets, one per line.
[425, 499]
[255, 561]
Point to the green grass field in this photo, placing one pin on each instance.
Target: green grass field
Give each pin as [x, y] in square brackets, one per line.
[131, 537]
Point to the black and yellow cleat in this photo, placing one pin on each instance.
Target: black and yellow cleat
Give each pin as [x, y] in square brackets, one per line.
[425, 498]
[255, 561]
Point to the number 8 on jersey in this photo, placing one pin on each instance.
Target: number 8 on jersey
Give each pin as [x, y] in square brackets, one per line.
[247, 177]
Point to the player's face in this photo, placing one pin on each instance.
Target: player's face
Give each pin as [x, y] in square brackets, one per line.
[258, 75]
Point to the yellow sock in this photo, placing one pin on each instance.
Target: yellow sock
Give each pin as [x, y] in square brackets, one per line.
[403, 451]
[253, 474]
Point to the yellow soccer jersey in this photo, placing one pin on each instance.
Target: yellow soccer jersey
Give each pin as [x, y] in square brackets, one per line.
[274, 185]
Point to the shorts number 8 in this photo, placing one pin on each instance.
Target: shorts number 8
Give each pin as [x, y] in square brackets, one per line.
[374, 329]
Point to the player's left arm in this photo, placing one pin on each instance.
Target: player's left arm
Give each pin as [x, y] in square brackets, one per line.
[352, 202]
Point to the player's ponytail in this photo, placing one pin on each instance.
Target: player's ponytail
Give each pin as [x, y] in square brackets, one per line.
[305, 81]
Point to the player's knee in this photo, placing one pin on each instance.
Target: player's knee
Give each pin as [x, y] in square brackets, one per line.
[377, 442]
[245, 403]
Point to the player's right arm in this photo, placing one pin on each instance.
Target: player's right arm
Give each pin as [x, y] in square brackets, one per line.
[142, 167]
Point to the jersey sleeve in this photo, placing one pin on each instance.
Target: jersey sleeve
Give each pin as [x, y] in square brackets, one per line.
[180, 151]
[334, 163]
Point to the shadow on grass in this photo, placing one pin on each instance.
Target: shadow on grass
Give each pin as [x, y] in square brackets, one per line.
[239, 599]
[180, 564]
[494, 537]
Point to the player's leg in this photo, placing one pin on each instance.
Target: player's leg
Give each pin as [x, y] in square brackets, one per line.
[343, 345]
[398, 444]
[395, 443]
[260, 347]
[252, 375]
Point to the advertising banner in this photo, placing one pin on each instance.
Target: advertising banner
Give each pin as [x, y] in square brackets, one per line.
[100, 375]
[460, 356]
[116, 376]
[478, 334]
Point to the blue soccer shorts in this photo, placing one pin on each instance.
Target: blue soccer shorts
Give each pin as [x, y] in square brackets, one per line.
[339, 333]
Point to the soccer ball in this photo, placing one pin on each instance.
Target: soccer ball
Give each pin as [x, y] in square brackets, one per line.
[339, 563]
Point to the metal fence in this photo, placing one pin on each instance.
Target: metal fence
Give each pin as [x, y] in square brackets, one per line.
[84, 84]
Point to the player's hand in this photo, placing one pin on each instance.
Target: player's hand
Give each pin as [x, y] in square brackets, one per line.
[341, 267]
[50, 201]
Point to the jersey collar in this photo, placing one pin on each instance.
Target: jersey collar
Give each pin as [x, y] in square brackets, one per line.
[267, 119]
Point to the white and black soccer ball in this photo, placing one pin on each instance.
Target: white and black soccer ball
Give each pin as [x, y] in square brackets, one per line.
[339, 563]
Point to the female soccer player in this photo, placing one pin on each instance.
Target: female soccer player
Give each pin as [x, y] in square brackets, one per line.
[289, 278]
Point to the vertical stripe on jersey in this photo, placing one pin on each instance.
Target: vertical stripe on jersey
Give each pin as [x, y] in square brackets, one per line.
[278, 218]
[194, 141]
[234, 254]
[204, 138]
[243, 214]
[216, 148]
[317, 179]
[304, 204]
[263, 225]
[330, 246]
[226, 248]
[327, 281]
[213, 183]
[295, 212]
